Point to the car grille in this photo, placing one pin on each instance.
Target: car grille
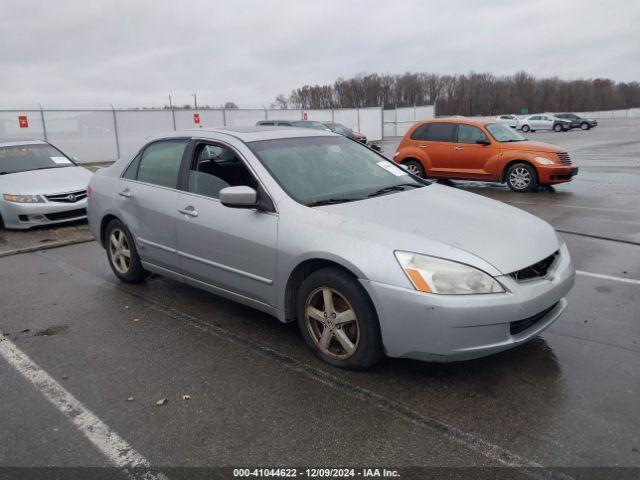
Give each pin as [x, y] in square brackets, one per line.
[68, 197]
[537, 270]
[80, 212]
[564, 157]
[522, 325]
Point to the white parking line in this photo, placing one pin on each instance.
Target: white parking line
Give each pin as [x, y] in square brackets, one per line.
[632, 281]
[108, 442]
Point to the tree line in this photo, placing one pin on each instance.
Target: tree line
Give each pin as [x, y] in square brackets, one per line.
[466, 94]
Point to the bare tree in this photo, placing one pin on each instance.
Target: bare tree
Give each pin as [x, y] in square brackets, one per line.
[474, 93]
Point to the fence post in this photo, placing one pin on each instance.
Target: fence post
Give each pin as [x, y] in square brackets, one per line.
[265, 114]
[44, 125]
[224, 117]
[395, 123]
[381, 123]
[358, 115]
[173, 117]
[115, 130]
[333, 117]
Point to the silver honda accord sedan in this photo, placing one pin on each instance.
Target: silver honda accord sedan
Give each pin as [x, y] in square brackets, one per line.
[40, 185]
[312, 227]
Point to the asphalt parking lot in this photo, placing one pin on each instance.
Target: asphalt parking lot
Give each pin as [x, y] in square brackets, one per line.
[241, 388]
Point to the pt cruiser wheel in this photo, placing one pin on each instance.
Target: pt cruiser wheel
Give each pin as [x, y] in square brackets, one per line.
[338, 321]
[522, 177]
[415, 167]
[122, 254]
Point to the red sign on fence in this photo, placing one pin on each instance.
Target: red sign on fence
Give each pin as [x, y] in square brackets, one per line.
[196, 118]
[304, 116]
[23, 121]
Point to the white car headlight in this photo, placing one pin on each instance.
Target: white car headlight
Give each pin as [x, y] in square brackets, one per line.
[435, 275]
[544, 161]
[23, 198]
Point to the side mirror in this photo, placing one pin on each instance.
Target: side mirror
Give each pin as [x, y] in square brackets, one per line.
[239, 197]
[483, 142]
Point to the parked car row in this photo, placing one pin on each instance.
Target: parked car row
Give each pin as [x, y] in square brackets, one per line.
[559, 122]
[314, 228]
[335, 127]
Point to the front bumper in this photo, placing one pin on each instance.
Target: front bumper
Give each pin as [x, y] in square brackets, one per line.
[552, 174]
[21, 216]
[447, 328]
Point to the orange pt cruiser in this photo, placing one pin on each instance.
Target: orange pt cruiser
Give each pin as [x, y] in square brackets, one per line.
[467, 150]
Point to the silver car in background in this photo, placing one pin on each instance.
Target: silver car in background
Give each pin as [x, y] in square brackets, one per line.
[40, 185]
[313, 227]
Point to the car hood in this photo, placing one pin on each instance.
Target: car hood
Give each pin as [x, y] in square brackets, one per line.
[47, 181]
[530, 146]
[506, 237]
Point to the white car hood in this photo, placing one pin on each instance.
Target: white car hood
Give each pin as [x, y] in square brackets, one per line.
[46, 181]
[506, 237]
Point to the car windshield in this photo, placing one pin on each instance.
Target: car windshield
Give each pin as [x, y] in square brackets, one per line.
[339, 128]
[322, 170]
[310, 124]
[24, 157]
[504, 133]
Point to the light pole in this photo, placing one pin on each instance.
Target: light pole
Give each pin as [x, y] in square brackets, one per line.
[195, 101]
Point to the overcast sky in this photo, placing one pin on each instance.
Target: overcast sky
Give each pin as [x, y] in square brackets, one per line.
[134, 52]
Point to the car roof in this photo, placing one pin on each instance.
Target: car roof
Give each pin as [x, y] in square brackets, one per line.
[15, 142]
[458, 120]
[251, 134]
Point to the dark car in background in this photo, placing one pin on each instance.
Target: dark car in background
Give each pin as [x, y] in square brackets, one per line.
[345, 131]
[293, 123]
[577, 121]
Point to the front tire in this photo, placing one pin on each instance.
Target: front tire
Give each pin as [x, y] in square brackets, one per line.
[585, 126]
[415, 167]
[557, 127]
[522, 177]
[338, 321]
[122, 254]
[526, 128]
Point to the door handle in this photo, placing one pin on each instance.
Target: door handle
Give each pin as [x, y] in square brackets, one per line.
[125, 193]
[190, 211]
[423, 146]
[458, 148]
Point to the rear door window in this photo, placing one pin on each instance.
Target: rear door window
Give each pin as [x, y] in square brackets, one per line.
[442, 132]
[420, 133]
[160, 163]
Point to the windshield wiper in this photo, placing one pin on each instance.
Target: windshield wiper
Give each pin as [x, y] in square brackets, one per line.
[514, 140]
[330, 201]
[393, 188]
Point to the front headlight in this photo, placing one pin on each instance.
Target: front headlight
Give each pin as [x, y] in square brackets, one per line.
[435, 275]
[23, 198]
[544, 161]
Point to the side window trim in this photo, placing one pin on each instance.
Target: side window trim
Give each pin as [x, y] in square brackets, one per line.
[188, 162]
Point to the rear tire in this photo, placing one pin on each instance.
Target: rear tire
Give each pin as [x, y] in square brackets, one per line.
[338, 320]
[415, 167]
[122, 254]
[526, 128]
[522, 177]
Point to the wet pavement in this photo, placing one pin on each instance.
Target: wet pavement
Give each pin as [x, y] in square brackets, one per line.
[258, 397]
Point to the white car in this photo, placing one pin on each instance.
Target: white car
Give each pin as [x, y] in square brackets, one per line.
[510, 120]
[40, 185]
[544, 121]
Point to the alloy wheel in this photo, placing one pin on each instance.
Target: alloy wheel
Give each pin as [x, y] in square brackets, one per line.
[413, 169]
[520, 178]
[332, 323]
[119, 251]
